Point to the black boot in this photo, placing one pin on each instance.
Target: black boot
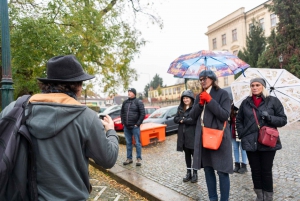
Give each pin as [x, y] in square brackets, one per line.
[195, 177]
[188, 176]
[237, 167]
[243, 169]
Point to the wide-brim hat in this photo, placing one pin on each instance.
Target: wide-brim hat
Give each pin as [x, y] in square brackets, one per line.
[65, 69]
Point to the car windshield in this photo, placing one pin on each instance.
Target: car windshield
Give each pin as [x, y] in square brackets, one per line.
[150, 110]
[111, 108]
[160, 113]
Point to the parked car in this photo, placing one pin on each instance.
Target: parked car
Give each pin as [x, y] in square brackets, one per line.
[149, 110]
[117, 120]
[102, 109]
[164, 115]
[113, 111]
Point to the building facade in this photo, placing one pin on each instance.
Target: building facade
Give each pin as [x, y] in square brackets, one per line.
[230, 32]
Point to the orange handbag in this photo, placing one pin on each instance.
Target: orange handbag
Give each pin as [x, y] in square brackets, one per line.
[212, 138]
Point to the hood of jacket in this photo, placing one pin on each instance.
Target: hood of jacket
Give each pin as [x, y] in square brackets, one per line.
[51, 113]
[187, 93]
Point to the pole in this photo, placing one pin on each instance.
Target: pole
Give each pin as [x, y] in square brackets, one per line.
[7, 82]
[149, 98]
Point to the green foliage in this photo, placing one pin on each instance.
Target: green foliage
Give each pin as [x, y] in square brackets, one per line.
[156, 82]
[94, 31]
[255, 45]
[286, 41]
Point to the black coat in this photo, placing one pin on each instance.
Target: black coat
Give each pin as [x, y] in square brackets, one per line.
[132, 112]
[217, 111]
[246, 125]
[186, 130]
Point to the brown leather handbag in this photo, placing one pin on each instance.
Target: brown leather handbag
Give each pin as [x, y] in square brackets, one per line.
[212, 138]
[267, 136]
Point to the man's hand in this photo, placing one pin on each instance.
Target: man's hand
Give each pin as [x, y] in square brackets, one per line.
[108, 123]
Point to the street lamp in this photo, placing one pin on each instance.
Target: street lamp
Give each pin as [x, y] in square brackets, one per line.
[280, 58]
[6, 89]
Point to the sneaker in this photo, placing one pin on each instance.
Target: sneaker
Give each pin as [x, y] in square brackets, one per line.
[128, 161]
[138, 162]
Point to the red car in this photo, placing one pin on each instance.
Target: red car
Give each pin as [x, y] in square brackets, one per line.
[148, 110]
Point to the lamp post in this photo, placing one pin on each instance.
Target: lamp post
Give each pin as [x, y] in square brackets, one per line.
[7, 88]
[280, 58]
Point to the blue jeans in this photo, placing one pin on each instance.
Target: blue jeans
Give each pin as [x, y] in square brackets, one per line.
[237, 147]
[128, 136]
[211, 184]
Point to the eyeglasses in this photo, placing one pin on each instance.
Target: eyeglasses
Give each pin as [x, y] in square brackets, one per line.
[203, 79]
[255, 85]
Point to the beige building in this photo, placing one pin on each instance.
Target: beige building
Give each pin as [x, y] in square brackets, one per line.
[230, 32]
[227, 34]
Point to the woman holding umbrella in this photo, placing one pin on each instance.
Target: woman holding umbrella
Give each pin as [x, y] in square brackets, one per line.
[211, 109]
[269, 112]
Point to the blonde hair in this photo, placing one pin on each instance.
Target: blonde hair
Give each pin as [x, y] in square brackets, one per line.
[264, 92]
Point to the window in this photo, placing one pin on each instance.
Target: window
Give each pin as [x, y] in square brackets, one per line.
[250, 28]
[174, 90]
[224, 39]
[234, 35]
[235, 52]
[273, 20]
[262, 23]
[214, 43]
[225, 81]
[170, 91]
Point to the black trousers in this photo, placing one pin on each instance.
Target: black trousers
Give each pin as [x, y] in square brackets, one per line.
[188, 156]
[261, 163]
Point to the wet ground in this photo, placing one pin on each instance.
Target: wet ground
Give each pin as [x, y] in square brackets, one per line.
[163, 168]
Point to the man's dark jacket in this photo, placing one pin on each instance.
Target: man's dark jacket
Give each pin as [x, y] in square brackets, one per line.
[132, 112]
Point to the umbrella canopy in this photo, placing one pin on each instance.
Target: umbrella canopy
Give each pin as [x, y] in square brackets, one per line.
[280, 83]
[223, 64]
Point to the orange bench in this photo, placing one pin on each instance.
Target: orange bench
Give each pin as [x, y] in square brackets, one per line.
[151, 131]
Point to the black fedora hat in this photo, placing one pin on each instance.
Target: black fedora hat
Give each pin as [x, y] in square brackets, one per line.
[65, 69]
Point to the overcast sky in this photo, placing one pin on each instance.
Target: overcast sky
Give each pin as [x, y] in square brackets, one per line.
[185, 25]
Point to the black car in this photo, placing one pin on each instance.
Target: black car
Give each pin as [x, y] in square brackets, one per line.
[164, 115]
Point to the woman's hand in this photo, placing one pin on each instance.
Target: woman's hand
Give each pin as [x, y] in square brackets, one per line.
[108, 123]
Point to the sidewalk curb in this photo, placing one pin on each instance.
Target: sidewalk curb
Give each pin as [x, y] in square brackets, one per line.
[145, 187]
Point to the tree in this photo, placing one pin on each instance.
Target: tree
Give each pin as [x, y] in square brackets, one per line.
[95, 31]
[156, 82]
[255, 45]
[287, 38]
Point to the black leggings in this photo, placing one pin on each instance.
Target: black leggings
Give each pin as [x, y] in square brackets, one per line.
[261, 163]
[188, 156]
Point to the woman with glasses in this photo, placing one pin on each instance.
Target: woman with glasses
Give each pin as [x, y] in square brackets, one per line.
[211, 109]
[269, 112]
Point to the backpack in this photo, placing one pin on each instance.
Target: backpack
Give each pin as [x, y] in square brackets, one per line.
[17, 160]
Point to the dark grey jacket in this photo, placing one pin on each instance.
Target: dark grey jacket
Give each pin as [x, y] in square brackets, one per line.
[246, 125]
[217, 111]
[186, 130]
[132, 112]
[67, 134]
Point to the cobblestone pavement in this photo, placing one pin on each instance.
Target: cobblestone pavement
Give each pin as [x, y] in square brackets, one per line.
[107, 189]
[164, 165]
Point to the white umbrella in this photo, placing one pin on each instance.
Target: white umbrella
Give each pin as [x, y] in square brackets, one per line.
[280, 83]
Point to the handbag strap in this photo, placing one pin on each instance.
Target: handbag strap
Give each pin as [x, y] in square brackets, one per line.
[256, 118]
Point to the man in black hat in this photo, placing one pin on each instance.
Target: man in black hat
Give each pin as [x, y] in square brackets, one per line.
[67, 133]
[132, 116]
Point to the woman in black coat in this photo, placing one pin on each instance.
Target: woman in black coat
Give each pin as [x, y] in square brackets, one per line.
[269, 112]
[212, 109]
[186, 133]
